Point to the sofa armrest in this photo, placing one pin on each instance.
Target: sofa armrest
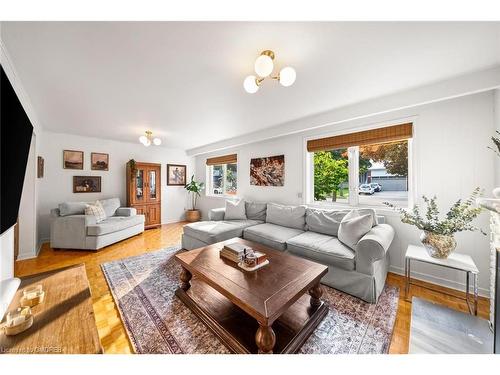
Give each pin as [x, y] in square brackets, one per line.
[216, 214]
[125, 211]
[55, 212]
[70, 232]
[373, 246]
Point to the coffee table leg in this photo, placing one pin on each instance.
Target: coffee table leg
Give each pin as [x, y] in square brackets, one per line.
[265, 339]
[316, 292]
[185, 278]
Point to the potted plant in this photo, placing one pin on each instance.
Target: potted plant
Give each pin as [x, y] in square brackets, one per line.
[437, 234]
[194, 188]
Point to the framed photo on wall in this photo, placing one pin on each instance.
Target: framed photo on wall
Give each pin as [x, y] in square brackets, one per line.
[72, 159]
[86, 184]
[176, 175]
[40, 167]
[99, 161]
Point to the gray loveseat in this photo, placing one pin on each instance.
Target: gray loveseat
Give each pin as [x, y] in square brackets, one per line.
[70, 228]
[308, 233]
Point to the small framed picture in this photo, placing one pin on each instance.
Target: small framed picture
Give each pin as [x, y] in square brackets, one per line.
[99, 161]
[40, 166]
[86, 184]
[72, 159]
[176, 175]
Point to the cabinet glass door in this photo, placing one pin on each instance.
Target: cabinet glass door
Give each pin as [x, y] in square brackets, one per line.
[152, 185]
[139, 185]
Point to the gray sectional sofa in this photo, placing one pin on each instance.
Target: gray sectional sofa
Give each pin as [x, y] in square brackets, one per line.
[70, 228]
[358, 268]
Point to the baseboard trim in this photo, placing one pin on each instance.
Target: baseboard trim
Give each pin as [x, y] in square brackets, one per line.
[438, 280]
[37, 251]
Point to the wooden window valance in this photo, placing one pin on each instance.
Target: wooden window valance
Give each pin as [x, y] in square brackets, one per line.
[380, 135]
[225, 159]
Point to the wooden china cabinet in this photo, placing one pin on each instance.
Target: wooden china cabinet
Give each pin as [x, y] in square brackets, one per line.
[144, 192]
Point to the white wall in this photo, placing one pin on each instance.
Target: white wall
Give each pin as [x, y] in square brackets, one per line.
[28, 217]
[28, 239]
[451, 139]
[57, 184]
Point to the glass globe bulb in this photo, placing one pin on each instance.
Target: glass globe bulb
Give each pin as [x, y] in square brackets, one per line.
[250, 85]
[287, 76]
[264, 65]
[143, 139]
[157, 141]
[147, 143]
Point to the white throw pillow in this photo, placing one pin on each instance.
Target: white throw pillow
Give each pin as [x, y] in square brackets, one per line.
[235, 210]
[96, 209]
[354, 226]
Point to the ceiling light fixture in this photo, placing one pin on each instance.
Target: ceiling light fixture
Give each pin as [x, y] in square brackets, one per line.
[264, 66]
[147, 139]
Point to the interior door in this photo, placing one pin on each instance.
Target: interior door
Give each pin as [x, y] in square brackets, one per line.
[153, 185]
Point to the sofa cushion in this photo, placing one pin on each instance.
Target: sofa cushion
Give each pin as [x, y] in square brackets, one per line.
[215, 231]
[324, 221]
[256, 211]
[286, 216]
[72, 208]
[114, 224]
[235, 210]
[110, 205]
[353, 227]
[272, 235]
[322, 248]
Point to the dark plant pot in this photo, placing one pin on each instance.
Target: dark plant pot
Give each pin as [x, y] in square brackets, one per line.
[193, 215]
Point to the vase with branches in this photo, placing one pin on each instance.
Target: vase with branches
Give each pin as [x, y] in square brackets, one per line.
[438, 233]
[194, 188]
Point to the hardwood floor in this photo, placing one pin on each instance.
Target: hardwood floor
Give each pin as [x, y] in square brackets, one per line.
[110, 328]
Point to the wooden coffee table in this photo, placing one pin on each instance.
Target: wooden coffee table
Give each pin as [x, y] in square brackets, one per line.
[273, 309]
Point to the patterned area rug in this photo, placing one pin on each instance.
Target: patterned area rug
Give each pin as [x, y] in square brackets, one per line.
[158, 322]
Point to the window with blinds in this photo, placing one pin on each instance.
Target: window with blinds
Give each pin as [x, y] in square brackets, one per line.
[362, 168]
[222, 175]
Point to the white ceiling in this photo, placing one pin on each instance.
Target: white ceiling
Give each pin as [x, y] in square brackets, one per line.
[183, 80]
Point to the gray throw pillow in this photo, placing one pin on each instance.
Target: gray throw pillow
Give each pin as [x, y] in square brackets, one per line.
[235, 210]
[354, 226]
[286, 216]
[72, 208]
[324, 221]
[256, 211]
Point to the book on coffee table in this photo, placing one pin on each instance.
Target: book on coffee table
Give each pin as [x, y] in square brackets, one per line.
[235, 252]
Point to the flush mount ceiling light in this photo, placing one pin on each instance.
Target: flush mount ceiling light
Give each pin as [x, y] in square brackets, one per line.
[264, 66]
[147, 139]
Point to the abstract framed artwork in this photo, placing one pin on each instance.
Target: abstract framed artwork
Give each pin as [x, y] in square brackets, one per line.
[86, 184]
[176, 175]
[99, 161]
[72, 159]
[268, 171]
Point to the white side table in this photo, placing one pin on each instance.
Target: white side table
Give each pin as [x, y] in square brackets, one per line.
[460, 262]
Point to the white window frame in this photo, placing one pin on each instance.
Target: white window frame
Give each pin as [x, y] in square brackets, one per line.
[209, 181]
[353, 160]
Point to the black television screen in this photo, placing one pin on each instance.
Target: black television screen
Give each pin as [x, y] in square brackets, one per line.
[15, 139]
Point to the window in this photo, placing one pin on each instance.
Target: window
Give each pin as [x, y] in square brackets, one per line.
[364, 168]
[222, 176]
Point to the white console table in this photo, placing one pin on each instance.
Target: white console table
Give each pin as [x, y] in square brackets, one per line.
[460, 262]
